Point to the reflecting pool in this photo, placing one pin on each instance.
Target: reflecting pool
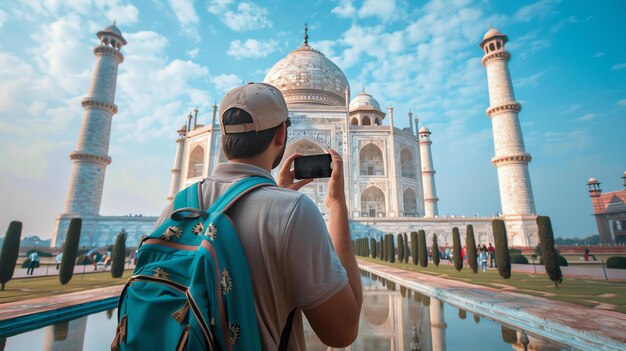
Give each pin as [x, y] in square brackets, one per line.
[393, 318]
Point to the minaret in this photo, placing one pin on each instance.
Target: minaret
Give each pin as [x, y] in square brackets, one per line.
[178, 163]
[91, 156]
[428, 174]
[511, 159]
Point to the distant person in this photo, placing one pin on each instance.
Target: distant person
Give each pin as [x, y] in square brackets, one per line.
[58, 259]
[34, 263]
[586, 254]
[464, 255]
[93, 257]
[492, 255]
[447, 253]
[482, 257]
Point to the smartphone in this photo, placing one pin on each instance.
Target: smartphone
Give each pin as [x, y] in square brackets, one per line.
[313, 166]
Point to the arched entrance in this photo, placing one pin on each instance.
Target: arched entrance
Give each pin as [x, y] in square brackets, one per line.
[373, 202]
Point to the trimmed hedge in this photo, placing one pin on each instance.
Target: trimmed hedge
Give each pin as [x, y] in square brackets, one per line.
[422, 249]
[470, 244]
[518, 258]
[72, 239]
[118, 256]
[373, 250]
[406, 248]
[400, 248]
[550, 256]
[414, 247]
[391, 249]
[618, 262]
[456, 248]
[381, 249]
[435, 251]
[515, 251]
[562, 261]
[503, 258]
[10, 251]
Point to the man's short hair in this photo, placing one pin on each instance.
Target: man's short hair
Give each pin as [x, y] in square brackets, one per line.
[244, 145]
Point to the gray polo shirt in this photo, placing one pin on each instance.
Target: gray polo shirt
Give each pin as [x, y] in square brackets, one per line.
[292, 260]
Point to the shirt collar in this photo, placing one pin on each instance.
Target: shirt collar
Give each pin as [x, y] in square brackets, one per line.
[235, 170]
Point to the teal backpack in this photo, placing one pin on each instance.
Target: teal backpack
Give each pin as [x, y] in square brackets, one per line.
[191, 288]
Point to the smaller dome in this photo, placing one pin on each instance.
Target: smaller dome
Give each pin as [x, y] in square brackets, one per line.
[424, 130]
[113, 29]
[593, 180]
[364, 101]
[492, 32]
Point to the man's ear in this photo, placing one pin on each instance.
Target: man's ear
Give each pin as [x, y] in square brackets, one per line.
[281, 135]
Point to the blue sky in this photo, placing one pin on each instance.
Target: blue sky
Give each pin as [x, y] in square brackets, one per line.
[568, 67]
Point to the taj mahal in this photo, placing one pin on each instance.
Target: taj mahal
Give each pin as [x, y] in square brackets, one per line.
[390, 172]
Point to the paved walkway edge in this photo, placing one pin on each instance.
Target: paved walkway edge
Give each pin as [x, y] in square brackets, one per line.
[532, 324]
[22, 316]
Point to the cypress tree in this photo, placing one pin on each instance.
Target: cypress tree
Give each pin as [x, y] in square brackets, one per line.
[456, 248]
[400, 248]
[406, 247]
[422, 249]
[381, 248]
[503, 259]
[392, 249]
[373, 246]
[10, 251]
[470, 243]
[70, 248]
[435, 250]
[386, 247]
[550, 256]
[414, 247]
[118, 255]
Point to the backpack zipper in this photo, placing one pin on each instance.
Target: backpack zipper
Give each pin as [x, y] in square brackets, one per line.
[182, 343]
[120, 334]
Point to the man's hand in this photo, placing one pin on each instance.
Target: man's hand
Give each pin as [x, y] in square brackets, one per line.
[287, 176]
[336, 192]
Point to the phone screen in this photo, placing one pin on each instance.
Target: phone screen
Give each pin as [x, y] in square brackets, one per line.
[314, 166]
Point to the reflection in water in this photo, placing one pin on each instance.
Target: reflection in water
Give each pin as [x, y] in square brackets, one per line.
[391, 319]
[66, 336]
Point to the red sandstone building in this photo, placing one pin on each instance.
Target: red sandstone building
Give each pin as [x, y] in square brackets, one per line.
[610, 212]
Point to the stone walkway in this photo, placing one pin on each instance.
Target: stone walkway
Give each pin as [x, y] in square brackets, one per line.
[582, 327]
[44, 304]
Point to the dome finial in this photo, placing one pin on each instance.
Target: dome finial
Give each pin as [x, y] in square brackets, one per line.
[306, 36]
[363, 87]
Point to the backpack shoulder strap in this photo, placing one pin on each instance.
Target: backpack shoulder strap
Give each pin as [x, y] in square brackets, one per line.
[237, 191]
[189, 197]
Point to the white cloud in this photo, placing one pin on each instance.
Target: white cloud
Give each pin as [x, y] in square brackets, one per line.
[622, 102]
[599, 54]
[538, 9]
[116, 10]
[3, 18]
[247, 15]
[344, 9]
[251, 48]
[586, 117]
[193, 53]
[226, 82]
[532, 80]
[187, 17]
[619, 66]
[385, 9]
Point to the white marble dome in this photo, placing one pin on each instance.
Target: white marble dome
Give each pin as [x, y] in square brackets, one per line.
[364, 101]
[306, 76]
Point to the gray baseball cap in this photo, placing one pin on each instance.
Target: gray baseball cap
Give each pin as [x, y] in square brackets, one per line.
[264, 102]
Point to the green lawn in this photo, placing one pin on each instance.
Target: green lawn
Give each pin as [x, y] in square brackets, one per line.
[584, 292]
[30, 288]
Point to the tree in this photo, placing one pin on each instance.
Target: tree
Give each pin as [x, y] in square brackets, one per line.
[386, 247]
[373, 246]
[414, 247]
[381, 248]
[423, 250]
[70, 249]
[549, 254]
[503, 259]
[406, 248]
[391, 249]
[119, 255]
[435, 250]
[456, 248]
[470, 244]
[400, 248]
[10, 251]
